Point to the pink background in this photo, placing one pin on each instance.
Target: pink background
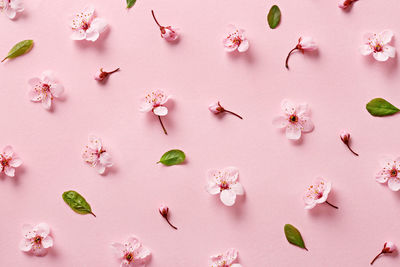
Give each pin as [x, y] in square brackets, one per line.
[337, 82]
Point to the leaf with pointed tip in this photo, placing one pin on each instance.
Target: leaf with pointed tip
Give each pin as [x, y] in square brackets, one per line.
[77, 202]
[19, 49]
[173, 157]
[274, 17]
[380, 107]
[293, 236]
[130, 3]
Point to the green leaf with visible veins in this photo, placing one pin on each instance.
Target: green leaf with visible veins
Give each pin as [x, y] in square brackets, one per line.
[274, 16]
[130, 3]
[380, 107]
[173, 157]
[77, 202]
[19, 49]
[293, 236]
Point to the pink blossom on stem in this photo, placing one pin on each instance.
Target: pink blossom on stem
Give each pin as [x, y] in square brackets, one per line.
[345, 137]
[169, 33]
[304, 44]
[389, 172]
[101, 75]
[36, 239]
[378, 45]
[9, 161]
[11, 7]
[164, 211]
[131, 253]
[226, 259]
[96, 155]
[388, 247]
[216, 108]
[45, 88]
[86, 26]
[317, 193]
[154, 102]
[235, 40]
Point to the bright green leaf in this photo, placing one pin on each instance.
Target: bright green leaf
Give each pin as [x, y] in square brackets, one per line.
[172, 157]
[19, 49]
[77, 202]
[274, 16]
[380, 107]
[293, 236]
[130, 3]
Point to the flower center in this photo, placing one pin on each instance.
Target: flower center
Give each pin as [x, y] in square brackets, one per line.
[37, 240]
[45, 88]
[84, 25]
[319, 195]
[378, 48]
[4, 162]
[224, 185]
[129, 257]
[293, 118]
[393, 172]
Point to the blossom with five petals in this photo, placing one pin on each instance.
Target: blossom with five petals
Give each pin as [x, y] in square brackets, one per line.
[11, 7]
[378, 45]
[86, 26]
[36, 239]
[131, 253]
[9, 161]
[226, 259]
[389, 173]
[45, 89]
[235, 40]
[95, 155]
[317, 193]
[154, 101]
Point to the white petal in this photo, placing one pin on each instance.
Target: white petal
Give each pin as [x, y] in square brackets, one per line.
[105, 159]
[288, 107]
[213, 188]
[9, 171]
[293, 132]
[42, 229]
[386, 36]
[244, 45]
[78, 35]
[280, 122]
[92, 35]
[25, 245]
[237, 188]
[47, 242]
[160, 111]
[307, 124]
[394, 184]
[46, 102]
[100, 168]
[365, 49]
[118, 249]
[10, 12]
[228, 197]
[48, 77]
[56, 89]
[390, 51]
[380, 56]
[97, 25]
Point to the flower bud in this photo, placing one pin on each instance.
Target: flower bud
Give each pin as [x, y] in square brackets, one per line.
[163, 210]
[100, 75]
[216, 108]
[169, 34]
[345, 136]
[389, 247]
[306, 44]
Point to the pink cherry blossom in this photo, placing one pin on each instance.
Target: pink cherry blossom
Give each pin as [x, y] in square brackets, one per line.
[95, 155]
[378, 45]
[224, 182]
[86, 26]
[304, 44]
[345, 137]
[169, 33]
[344, 4]
[164, 211]
[154, 101]
[226, 259]
[389, 173]
[317, 193]
[11, 7]
[36, 239]
[295, 119]
[388, 247]
[9, 161]
[216, 108]
[45, 89]
[131, 253]
[235, 40]
[101, 75]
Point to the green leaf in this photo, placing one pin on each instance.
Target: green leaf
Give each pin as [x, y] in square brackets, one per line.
[172, 157]
[293, 236]
[380, 107]
[274, 16]
[130, 3]
[77, 202]
[19, 49]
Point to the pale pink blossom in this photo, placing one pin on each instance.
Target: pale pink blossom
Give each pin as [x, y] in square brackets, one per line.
[216, 108]
[304, 44]
[86, 26]
[389, 172]
[45, 88]
[225, 182]
[346, 3]
[131, 253]
[295, 119]
[36, 239]
[169, 33]
[227, 259]
[96, 155]
[9, 161]
[317, 193]
[388, 247]
[11, 7]
[235, 40]
[345, 137]
[164, 211]
[101, 75]
[154, 102]
[378, 45]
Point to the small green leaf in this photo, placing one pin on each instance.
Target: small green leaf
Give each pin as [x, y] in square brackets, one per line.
[380, 107]
[172, 157]
[274, 16]
[19, 49]
[130, 3]
[77, 202]
[293, 236]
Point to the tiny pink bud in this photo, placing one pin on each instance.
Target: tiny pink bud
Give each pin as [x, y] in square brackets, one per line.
[389, 247]
[163, 210]
[168, 33]
[101, 75]
[216, 108]
[346, 3]
[345, 136]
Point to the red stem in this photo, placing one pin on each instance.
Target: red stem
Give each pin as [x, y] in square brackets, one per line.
[377, 256]
[93, 214]
[152, 12]
[288, 56]
[351, 149]
[333, 206]
[173, 226]
[233, 113]
[162, 125]
[113, 71]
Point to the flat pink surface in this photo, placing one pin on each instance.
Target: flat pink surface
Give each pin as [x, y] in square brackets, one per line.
[337, 82]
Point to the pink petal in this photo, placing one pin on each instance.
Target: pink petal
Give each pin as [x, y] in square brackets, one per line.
[386, 161]
[293, 132]
[244, 46]
[382, 177]
[34, 82]
[78, 35]
[237, 188]
[48, 77]
[394, 184]
[288, 107]
[95, 143]
[302, 109]
[47, 242]
[35, 95]
[15, 162]
[27, 231]
[42, 229]
[118, 249]
[390, 51]
[213, 188]
[380, 56]
[56, 89]
[100, 168]
[165, 99]
[307, 124]
[365, 49]
[11, 13]
[228, 197]
[134, 243]
[92, 35]
[160, 111]
[310, 206]
[231, 255]
[145, 106]
[142, 254]
[231, 174]
[105, 159]
[9, 171]
[97, 25]
[280, 122]
[8, 151]
[25, 245]
[46, 102]
[386, 36]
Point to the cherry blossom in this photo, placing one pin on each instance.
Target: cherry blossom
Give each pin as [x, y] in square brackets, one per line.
[36, 239]
[224, 182]
[169, 33]
[388, 247]
[216, 108]
[389, 173]
[45, 89]
[235, 40]
[344, 4]
[164, 211]
[11, 7]
[345, 137]
[378, 45]
[101, 75]
[317, 193]
[86, 26]
[226, 259]
[295, 119]
[304, 44]
[95, 155]
[9, 161]
[154, 102]
[131, 253]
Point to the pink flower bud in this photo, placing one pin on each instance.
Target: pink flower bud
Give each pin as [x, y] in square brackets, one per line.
[306, 44]
[346, 3]
[345, 136]
[101, 75]
[168, 33]
[389, 247]
[163, 210]
[216, 108]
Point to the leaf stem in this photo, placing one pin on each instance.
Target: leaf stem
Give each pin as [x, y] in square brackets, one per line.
[377, 256]
[333, 206]
[162, 125]
[233, 113]
[351, 149]
[152, 12]
[93, 214]
[288, 56]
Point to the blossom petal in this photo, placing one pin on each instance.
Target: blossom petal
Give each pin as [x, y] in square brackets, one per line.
[15, 162]
[302, 109]
[237, 188]
[34, 81]
[42, 229]
[105, 159]
[25, 245]
[142, 253]
[8, 151]
[92, 35]
[213, 188]
[382, 177]
[100, 168]
[46, 102]
[231, 174]
[288, 107]
[97, 25]
[27, 231]
[228, 197]
[280, 122]
[244, 45]
[134, 243]
[47, 242]
[293, 132]
[386, 36]
[118, 249]
[56, 89]
[95, 143]
[11, 13]
[306, 124]
[394, 184]
[310, 206]
[365, 49]
[9, 171]
[160, 111]
[380, 56]
[231, 255]
[78, 35]
[48, 77]
[390, 51]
